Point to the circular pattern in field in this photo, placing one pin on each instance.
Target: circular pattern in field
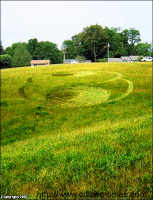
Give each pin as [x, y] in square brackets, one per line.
[92, 93]
[60, 95]
[84, 73]
[88, 96]
[62, 74]
[80, 73]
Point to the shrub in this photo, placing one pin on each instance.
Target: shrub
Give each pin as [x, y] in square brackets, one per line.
[5, 61]
[80, 59]
[102, 60]
[21, 57]
[139, 58]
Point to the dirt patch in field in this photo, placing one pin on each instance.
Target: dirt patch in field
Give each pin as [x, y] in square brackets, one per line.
[62, 74]
[60, 96]
[22, 92]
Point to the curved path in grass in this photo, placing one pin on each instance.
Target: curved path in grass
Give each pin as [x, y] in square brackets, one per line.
[119, 75]
[129, 90]
[89, 94]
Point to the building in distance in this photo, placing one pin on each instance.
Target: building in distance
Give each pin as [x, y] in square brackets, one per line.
[67, 61]
[40, 62]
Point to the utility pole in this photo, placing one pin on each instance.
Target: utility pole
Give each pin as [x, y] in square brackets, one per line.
[64, 56]
[108, 50]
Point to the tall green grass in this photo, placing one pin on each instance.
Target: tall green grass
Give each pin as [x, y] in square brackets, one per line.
[55, 137]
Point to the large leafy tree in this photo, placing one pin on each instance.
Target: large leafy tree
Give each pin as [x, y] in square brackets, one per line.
[70, 48]
[21, 56]
[143, 49]
[133, 38]
[125, 39]
[32, 45]
[93, 39]
[116, 44]
[48, 50]
[11, 50]
[24, 44]
[130, 38]
[80, 48]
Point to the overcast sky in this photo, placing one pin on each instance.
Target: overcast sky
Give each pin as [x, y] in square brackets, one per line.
[56, 21]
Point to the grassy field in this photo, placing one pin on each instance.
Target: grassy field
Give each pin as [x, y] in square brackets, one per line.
[77, 131]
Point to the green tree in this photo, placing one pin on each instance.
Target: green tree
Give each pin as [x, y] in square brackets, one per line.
[69, 47]
[24, 44]
[32, 45]
[93, 40]
[134, 38]
[9, 51]
[125, 39]
[5, 61]
[48, 50]
[21, 57]
[143, 49]
[116, 44]
[130, 38]
[1, 48]
[80, 48]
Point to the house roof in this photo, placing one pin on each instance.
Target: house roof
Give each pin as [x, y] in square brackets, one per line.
[134, 57]
[88, 61]
[40, 62]
[115, 60]
[70, 60]
[126, 58]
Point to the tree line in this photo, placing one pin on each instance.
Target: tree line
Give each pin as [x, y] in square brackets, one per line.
[22, 53]
[90, 44]
[93, 40]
